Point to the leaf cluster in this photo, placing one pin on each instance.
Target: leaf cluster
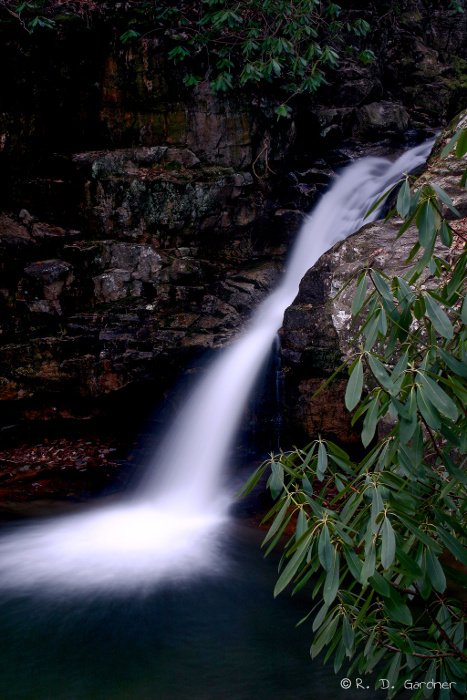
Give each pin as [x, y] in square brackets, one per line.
[233, 44]
[379, 543]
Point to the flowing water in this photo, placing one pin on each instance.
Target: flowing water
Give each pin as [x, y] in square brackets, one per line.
[169, 543]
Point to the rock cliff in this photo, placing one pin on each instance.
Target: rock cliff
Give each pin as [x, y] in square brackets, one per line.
[143, 221]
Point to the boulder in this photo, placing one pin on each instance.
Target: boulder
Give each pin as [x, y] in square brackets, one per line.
[379, 118]
[44, 285]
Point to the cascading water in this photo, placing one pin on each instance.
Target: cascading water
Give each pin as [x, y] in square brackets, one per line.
[170, 527]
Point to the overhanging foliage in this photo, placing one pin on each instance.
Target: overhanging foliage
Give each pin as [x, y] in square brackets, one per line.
[380, 544]
[232, 44]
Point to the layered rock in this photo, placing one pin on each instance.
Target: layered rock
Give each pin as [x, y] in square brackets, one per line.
[144, 220]
[108, 313]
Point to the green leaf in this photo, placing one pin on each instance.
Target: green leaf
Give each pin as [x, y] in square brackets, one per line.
[407, 292]
[426, 222]
[388, 544]
[455, 547]
[428, 411]
[275, 540]
[320, 617]
[461, 146]
[435, 395]
[380, 372]
[419, 534]
[360, 295]
[128, 36]
[348, 634]
[377, 506]
[253, 480]
[438, 317]
[283, 111]
[371, 330]
[322, 461]
[450, 144]
[354, 388]
[459, 368]
[178, 54]
[191, 80]
[393, 673]
[307, 487]
[444, 197]
[464, 311]
[302, 524]
[369, 564]
[354, 563]
[324, 636]
[370, 422]
[380, 200]
[409, 566]
[325, 548]
[276, 480]
[400, 367]
[380, 584]
[459, 389]
[337, 451]
[277, 522]
[292, 567]
[398, 610]
[413, 253]
[331, 583]
[382, 286]
[403, 199]
[435, 572]
[445, 233]
[408, 422]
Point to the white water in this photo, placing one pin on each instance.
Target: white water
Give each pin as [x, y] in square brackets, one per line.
[171, 529]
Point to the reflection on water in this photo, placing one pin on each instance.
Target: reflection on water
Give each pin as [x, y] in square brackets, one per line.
[212, 638]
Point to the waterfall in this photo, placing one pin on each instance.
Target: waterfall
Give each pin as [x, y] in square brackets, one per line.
[278, 392]
[170, 527]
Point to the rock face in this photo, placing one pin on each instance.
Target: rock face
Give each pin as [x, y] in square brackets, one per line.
[317, 331]
[142, 221]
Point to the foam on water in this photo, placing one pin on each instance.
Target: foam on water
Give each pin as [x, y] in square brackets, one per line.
[111, 548]
[170, 528]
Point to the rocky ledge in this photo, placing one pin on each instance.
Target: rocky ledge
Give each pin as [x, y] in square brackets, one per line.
[163, 269]
[317, 331]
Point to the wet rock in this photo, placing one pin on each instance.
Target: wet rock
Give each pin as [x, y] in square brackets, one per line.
[219, 131]
[26, 218]
[184, 271]
[129, 192]
[318, 334]
[43, 231]
[130, 264]
[381, 117]
[336, 123]
[48, 271]
[13, 234]
[45, 284]
[141, 261]
[112, 286]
